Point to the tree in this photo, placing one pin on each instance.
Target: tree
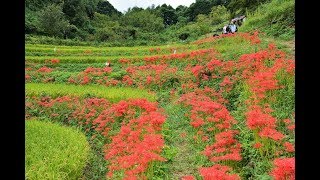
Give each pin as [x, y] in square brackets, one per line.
[219, 14]
[104, 7]
[199, 7]
[75, 12]
[91, 6]
[52, 21]
[143, 20]
[168, 14]
[31, 21]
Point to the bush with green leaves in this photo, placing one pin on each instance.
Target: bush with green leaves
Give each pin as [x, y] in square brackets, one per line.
[54, 151]
[52, 21]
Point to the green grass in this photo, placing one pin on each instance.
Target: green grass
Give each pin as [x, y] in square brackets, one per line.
[45, 47]
[276, 19]
[113, 94]
[82, 59]
[54, 151]
[102, 51]
[231, 48]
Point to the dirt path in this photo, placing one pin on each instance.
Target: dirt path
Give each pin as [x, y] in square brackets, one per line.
[187, 159]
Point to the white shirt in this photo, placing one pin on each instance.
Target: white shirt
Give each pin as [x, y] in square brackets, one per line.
[224, 31]
[233, 28]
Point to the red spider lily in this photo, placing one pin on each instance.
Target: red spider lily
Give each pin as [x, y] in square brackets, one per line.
[139, 141]
[226, 81]
[291, 127]
[85, 80]
[217, 172]
[44, 69]
[224, 148]
[287, 121]
[257, 145]
[27, 77]
[124, 61]
[271, 133]
[213, 64]
[189, 177]
[55, 61]
[284, 169]
[257, 119]
[289, 147]
[127, 80]
[196, 70]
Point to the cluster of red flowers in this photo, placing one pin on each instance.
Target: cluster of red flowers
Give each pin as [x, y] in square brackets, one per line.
[200, 55]
[94, 75]
[284, 169]
[263, 123]
[252, 37]
[213, 118]
[190, 177]
[145, 76]
[55, 61]
[139, 141]
[154, 49]
[290, 124]
[27, 77]
[218, 172]
[44, 69]
[260, 72]
[225, 148]
[204, 110]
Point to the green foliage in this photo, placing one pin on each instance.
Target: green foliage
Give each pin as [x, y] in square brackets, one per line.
[104, 7]
[199, 7]
[31, 21]
[143, 20]
[52, 21]
[168, 14]
[113, 94]
[239, 7]
[219, 14]
[276, 18]
[75, 11]
[54, 151]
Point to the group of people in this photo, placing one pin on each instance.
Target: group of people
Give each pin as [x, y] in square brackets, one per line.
[233, 26]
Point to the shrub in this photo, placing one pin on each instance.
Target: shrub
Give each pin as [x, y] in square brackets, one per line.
[54, 152]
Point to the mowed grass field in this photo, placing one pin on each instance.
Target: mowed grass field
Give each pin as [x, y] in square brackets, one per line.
[218, 108]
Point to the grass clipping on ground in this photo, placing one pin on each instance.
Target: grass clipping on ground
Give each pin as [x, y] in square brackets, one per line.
[54, 151]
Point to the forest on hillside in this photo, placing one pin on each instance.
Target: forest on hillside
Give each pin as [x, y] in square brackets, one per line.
[98, 21]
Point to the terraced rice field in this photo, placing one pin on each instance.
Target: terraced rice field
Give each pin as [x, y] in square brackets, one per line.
[217, 108]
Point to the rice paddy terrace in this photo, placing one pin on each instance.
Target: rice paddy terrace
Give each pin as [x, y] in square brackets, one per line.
[218, 108]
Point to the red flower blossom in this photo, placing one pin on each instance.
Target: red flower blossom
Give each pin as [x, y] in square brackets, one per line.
[190, 177]
[271, 133]
[289, 147]
[44, 69]
[284, 169]
[218, 172]
[55, 61]
[257, 145]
